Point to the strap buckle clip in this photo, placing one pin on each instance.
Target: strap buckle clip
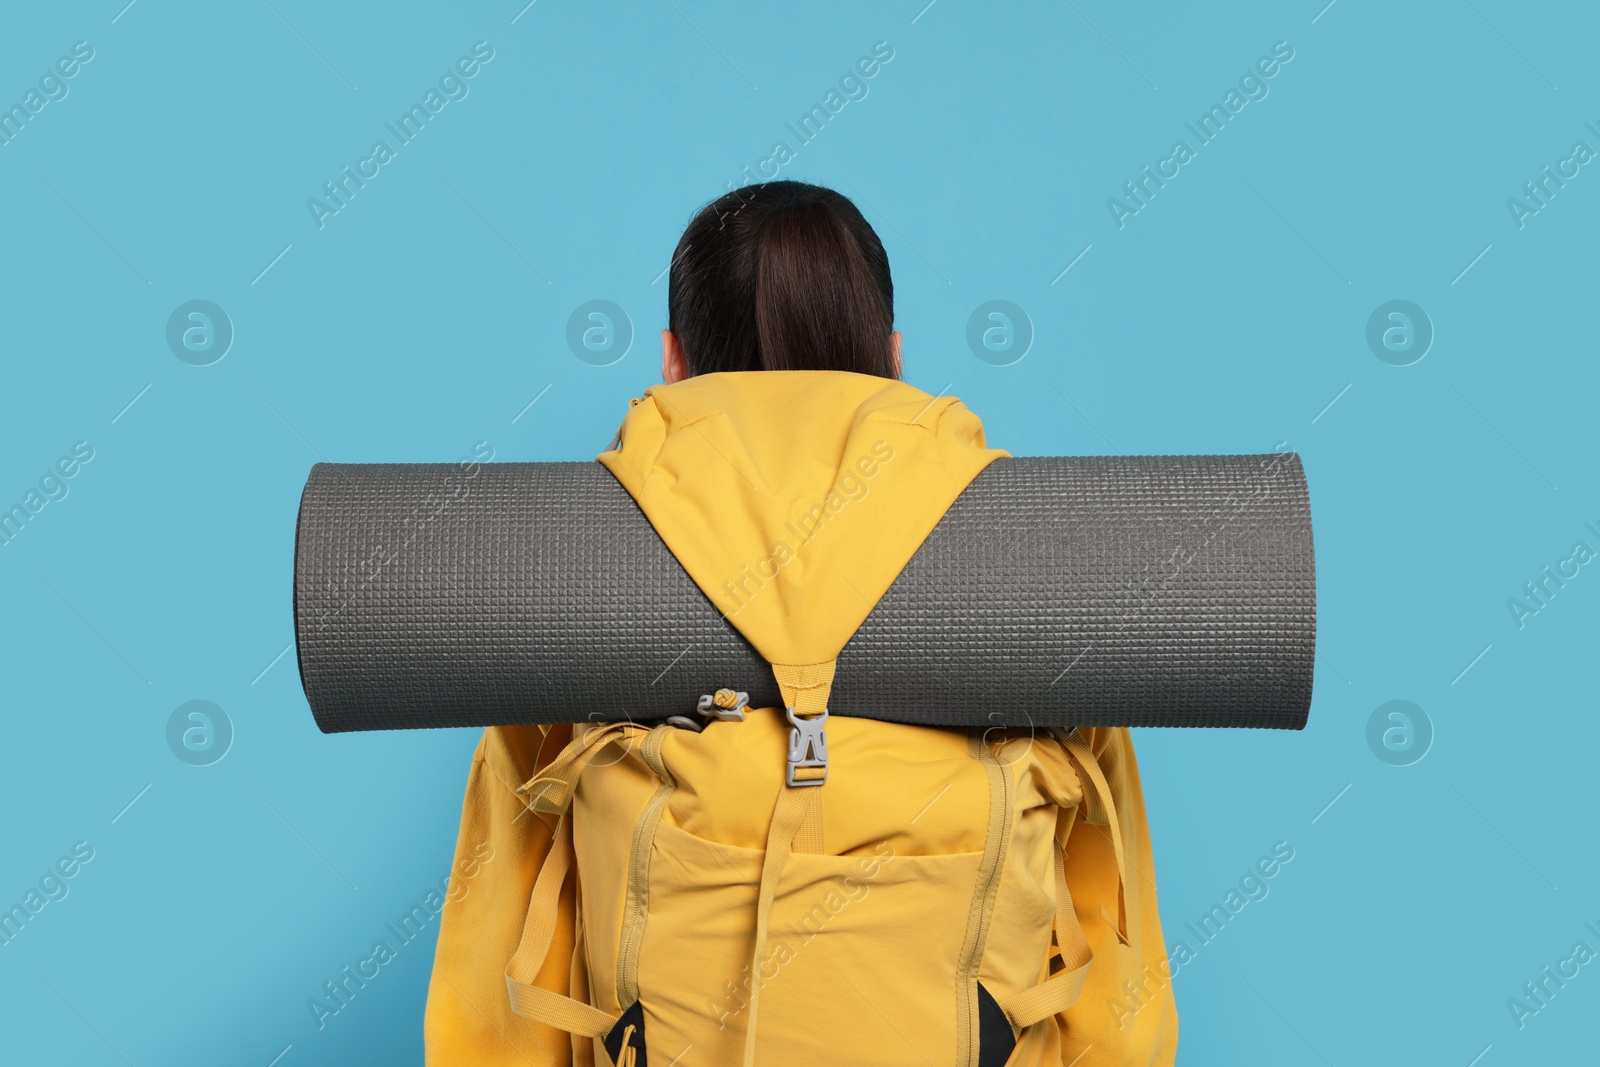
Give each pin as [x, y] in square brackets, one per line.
[808, 749]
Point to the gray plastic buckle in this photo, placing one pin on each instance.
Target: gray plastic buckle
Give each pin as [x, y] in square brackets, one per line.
[708, 708]
[683, 722]
[808, 747]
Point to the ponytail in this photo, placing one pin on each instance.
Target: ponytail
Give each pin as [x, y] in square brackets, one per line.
[782, 276]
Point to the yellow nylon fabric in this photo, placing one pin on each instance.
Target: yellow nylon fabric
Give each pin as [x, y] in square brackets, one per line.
[759, 483]
[1126, 1013]
[500, 849]
[866, 935]
[795, 498]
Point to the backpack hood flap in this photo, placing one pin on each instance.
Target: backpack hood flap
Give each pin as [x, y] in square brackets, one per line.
[795, 498]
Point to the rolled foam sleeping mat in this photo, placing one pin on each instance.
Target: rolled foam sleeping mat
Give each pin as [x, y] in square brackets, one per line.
[1055, 591]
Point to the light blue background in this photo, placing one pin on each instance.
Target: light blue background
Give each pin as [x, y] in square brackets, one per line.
[1226, 316]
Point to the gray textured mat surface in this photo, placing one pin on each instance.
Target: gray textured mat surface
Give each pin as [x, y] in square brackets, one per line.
[1063, 591]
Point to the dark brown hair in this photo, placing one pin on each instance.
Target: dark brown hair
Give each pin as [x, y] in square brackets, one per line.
[782, 276]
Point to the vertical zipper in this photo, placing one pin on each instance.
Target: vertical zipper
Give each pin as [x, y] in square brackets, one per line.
[637, 901]
[983, 899]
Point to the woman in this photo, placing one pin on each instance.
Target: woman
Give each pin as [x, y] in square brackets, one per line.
[886, 893]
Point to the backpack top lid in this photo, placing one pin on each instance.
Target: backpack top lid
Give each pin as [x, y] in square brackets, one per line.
[795, 498]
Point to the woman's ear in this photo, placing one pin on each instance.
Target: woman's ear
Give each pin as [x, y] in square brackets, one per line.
[674, 368]
[894, 351]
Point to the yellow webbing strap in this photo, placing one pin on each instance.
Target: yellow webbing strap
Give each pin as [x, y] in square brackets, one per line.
[797, 823]
[805, 685]
[1079, 749]
[538, 930]
[1062, 989]
[805, 688]
[787, 817]
[553, 789]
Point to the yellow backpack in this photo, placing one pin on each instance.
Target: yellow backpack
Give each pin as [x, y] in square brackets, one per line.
[785, 886]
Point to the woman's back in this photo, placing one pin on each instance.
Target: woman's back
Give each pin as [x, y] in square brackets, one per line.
[987, 897]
